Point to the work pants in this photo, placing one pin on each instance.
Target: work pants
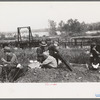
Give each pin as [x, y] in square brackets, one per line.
[10, 73]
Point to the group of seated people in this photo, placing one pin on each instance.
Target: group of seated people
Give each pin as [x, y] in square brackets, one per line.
[11, 69]
[47, 55]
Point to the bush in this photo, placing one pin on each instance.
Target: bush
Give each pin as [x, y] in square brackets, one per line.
[25, 55]
[75, 55]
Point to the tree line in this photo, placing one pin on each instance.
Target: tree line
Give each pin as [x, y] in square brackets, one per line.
[72, 27]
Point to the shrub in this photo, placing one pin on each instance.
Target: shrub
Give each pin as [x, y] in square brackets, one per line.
[75, 55]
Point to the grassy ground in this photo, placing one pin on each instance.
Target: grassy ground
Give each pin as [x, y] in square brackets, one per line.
[75, 55]
[79, 74]
[72, 55]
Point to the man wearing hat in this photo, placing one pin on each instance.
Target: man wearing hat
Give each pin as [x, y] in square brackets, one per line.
[9, 62]
[40, 50]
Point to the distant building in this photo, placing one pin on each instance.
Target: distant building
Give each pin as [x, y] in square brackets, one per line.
[40, 34]
[92, 32]
[58, 32]
[44, 33]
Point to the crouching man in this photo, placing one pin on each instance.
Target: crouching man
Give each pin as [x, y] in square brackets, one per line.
[49, 62]
[10, 69]
[94, 63]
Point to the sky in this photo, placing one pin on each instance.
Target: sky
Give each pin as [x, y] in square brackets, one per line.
[36, 14]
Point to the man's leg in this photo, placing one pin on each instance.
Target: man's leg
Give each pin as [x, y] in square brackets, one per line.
[91, 60]
[4, 73]
[12, 74]
[19, 73]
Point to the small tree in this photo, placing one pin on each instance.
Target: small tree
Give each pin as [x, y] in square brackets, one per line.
[36, 35]
[60, 26]
[52, 28]
[2, 36]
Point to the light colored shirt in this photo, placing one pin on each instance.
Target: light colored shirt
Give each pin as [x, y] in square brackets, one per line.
[14, 59]
[50, 61]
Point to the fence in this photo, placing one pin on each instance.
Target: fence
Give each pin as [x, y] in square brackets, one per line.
[75, 44]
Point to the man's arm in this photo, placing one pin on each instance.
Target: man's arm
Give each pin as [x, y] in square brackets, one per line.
[94, 48]
[39, 53]
[14, 59]
[47, 61]
[3, 60]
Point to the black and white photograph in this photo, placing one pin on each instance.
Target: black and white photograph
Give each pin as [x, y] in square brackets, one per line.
[50, 43]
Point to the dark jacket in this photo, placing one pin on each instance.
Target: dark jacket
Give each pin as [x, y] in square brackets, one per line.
[40, 56]
[53, 51]
[94, 50]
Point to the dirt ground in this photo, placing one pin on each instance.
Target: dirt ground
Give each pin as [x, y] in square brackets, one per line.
[79, 74]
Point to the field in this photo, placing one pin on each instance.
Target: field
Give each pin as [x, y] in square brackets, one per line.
[78, 59]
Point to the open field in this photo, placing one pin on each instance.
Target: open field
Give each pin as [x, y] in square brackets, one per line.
[77, 57]
[73, 55]
[79, 74]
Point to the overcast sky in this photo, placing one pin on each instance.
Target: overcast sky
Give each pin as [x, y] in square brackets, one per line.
[37, 14]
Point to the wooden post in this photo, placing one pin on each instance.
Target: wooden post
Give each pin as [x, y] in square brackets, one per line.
[75, 42]
[81, 44]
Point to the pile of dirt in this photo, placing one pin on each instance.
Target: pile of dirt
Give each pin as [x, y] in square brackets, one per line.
[79, 74]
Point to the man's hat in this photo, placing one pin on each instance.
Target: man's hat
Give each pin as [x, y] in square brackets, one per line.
[7, 49]
[43, 43]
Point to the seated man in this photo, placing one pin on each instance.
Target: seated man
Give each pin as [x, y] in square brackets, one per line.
[49, 62]
[9, 62]
[54, 51]
[94, 55]
[42, 48]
